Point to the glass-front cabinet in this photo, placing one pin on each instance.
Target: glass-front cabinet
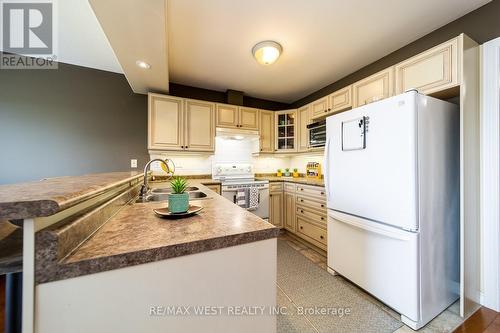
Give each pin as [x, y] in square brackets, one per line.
[286, 131]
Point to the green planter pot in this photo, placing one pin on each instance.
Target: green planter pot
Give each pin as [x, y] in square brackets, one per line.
[178, 203]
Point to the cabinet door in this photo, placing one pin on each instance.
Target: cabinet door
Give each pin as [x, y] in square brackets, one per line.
[266, 131]
[227, 116]
[374, 88]
[340, 100]
[320, 107]
[289, 211]
[249, 118]
[430, 71]
[303, 133]
[286, 126]
[200, 125]
[165, 122]
[276, 209]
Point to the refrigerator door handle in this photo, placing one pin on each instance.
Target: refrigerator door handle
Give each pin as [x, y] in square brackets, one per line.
[327, 170]
[360, 223]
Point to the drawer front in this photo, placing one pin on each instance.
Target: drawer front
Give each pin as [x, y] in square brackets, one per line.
[310, 215]
[275, 187]
[312, 233]
[289, 187]
[315, 191]
[306, 201]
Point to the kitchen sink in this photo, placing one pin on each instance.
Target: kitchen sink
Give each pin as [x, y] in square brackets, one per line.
[155, 196]
[169, 190]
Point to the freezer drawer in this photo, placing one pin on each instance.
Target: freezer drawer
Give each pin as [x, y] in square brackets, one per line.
[380, 259]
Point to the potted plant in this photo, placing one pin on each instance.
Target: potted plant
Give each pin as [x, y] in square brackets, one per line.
[178, 200]
[279, 173]
[295, 173]
[287, 172]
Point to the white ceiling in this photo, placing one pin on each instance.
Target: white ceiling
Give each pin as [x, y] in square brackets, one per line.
[210, 42]
[81, 40]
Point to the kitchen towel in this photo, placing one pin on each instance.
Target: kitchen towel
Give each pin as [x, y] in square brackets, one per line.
[242, 197]
[253, 198]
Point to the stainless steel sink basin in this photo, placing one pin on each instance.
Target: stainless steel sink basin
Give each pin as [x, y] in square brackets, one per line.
[169, 190]
[196, 195]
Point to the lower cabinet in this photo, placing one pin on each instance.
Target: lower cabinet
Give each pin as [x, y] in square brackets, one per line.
[289, 211]
[301, 210]
[276, 208]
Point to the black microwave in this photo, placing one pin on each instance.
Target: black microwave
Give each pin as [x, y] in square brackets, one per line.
[317, 134]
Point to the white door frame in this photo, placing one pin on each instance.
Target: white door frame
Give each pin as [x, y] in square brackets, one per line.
[490, 174]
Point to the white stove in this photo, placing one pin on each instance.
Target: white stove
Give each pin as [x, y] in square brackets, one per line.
[237, 176]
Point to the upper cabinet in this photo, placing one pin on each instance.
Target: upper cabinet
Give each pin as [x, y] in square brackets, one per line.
[340, 100]
[165, 122]
[373, 88]
[232, 116]
[431, 71]
[266, 131]
[286, 124]
[180, 124]
[249, 118]
[199, 131]
[320, 107]
[304, 119]
[227, 116]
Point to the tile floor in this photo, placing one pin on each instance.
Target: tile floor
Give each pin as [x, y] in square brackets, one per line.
[447, 321]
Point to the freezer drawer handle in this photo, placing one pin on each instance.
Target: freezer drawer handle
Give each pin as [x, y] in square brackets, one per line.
[401, 235]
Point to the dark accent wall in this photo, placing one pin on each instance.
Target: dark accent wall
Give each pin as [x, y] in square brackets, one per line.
[482, 25]
[68, 121]
[181, 90]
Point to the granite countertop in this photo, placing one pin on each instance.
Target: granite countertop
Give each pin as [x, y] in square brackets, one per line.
[49, 196]
[298, 180]
[135, 235]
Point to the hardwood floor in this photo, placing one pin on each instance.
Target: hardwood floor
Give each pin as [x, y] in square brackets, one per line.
[483, 320]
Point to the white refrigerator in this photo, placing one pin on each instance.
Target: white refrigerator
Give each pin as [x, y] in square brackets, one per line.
[392, 182]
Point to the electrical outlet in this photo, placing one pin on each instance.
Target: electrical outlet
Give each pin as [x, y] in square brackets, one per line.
[133, 163]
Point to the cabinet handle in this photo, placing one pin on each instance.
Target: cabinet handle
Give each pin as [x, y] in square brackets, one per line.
[321, 236]
[301, 200]
[301, 211]
[186, 147]
[322, 206]
[322, 218]
[270, 195]
[302, 189]
[322, 193]
[301, 227]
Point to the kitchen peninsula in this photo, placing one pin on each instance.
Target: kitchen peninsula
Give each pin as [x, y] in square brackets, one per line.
[95, 260]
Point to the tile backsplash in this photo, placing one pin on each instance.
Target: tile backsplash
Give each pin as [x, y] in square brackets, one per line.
[202, 164]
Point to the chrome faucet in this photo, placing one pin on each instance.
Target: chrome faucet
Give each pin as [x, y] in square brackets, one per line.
[145, 186]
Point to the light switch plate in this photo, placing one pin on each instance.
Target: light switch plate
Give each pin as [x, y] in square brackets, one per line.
[133, 163]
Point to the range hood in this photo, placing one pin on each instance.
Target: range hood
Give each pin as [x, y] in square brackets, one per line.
[237, 134]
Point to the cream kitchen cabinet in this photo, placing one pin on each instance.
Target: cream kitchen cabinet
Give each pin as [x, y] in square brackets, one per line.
[286, 131]
[266, 131]
[289, 211]
[199, 129]
[374, 88]
[304, 119]
[232, 116]
[276, 208]
[180, 124]
[434, 70]
[227, 116]
[320, 107]
[248, 118]
[340, 100]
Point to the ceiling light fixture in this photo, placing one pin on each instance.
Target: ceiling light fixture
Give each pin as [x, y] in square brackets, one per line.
[267, 52]
[143, 64]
